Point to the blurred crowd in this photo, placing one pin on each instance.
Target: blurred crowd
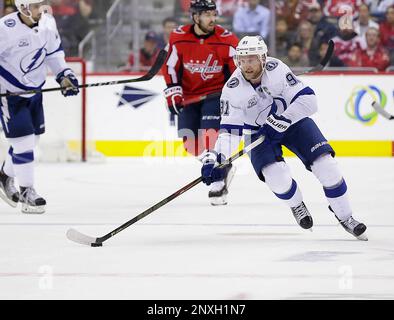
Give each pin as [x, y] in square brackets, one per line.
[75, 18]
[363, 30]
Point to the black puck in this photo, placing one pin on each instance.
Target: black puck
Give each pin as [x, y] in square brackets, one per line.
[95, 244]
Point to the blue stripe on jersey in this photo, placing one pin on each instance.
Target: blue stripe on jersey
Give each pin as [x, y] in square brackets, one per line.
[304, 92]
[289, 194]
[57, 50]
[337, 191]
[281, 100]
[232, 128]
[251, 127]
[22, 158]
[14, 81]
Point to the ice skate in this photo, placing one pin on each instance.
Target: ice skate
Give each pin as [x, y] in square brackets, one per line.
[354, 227]
[219, 191]
[31, 201]
[302, 216]
[8, 192]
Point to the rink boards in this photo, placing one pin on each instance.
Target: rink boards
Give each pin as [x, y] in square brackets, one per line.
[132, 120]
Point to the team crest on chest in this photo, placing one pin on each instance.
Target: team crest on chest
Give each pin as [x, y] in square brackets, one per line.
[253, 102]
[33, 60]
[206, 67]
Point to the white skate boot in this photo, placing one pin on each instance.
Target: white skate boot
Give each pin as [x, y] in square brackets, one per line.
[8, 192]
[31, 201]
[219, 190]
[354, 227]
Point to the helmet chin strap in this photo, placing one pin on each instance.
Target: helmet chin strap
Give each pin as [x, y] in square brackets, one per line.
[30, 16]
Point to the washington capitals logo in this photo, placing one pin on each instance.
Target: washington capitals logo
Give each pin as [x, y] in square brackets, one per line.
[135, 97]
[204, 68]
[33, 60]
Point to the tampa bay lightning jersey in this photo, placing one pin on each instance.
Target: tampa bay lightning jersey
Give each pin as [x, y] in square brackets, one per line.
[26, 52]
[280, 92]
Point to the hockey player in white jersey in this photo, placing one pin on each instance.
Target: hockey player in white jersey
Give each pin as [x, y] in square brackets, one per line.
[29, 43]
[263, 97]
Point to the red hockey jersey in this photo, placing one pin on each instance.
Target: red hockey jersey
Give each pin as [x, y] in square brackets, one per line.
[200, 64]
[333, 8]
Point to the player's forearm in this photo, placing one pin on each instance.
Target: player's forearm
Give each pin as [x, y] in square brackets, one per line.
[227, 144]
[57, 64]
[302, 107]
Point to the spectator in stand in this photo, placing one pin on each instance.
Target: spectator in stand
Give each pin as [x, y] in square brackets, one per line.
[347, 43]
[323, 31]
[335, 8]
[378, 8]
[305, 37]
[8, 9]
[374, 55]
[284, 38]
[334, 61]
[387, 32]
[293, 11]
[227, 8]
[72, 22]
[148, 53]
[363, 23]
[252, 19]
[295, 58]
[168, 24]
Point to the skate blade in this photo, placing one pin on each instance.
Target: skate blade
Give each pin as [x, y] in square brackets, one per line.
[362, 237]
[33, 209]
[8, 200]
[218, 201]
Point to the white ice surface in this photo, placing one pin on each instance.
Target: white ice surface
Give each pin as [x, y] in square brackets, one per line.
[250, 249]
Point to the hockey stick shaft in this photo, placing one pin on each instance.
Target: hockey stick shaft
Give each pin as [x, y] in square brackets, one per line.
[178, 192]
[323, 63]
[379, 109]
[161, 57]
[81, 238]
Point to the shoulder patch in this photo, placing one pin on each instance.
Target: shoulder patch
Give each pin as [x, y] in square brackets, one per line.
[233, 83]
[271, 65]
[10, 23]
[179, 30]
[226, 33]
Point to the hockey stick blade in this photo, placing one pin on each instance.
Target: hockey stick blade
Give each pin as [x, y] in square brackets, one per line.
[81, 238]
[78, 237]
[379, 109]
[323, 63]
[161, 57]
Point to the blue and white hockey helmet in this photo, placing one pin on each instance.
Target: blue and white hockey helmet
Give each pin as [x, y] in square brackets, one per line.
[24, 6]
[251, 45]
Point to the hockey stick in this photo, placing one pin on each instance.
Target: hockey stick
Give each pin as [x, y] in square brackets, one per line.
[322, 64]
[81, 238]
[379, 109]
[161, 57]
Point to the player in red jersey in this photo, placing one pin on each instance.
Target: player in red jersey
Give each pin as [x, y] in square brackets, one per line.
[200, 61]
